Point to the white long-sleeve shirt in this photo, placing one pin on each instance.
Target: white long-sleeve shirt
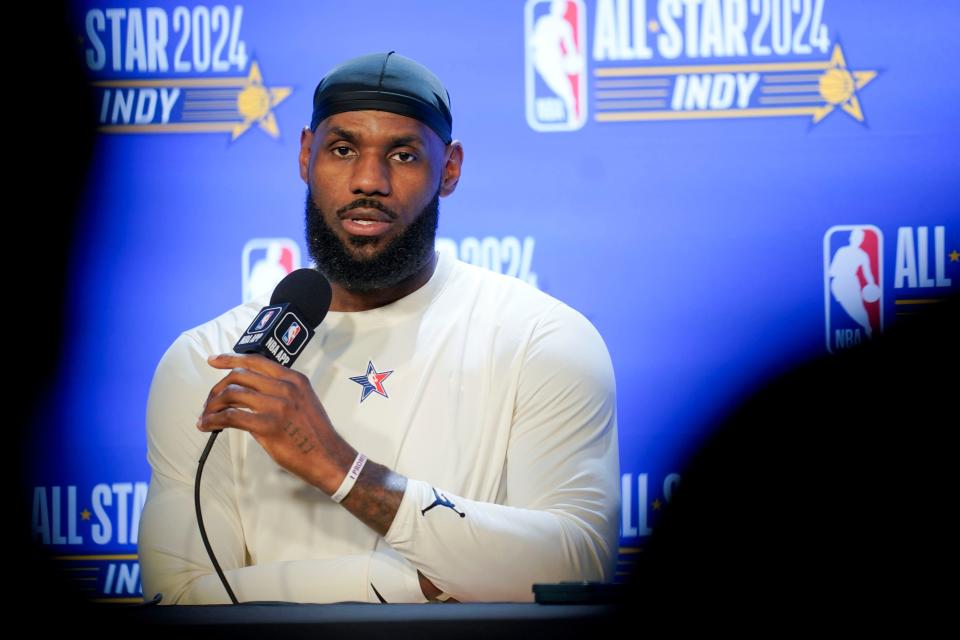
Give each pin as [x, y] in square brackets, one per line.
[500, 405]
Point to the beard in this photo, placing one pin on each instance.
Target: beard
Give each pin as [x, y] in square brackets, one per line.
[401, 258]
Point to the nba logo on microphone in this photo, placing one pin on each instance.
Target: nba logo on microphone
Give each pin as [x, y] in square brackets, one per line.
[291, 333]
[555, 33]
[265, 319]
[852, 285]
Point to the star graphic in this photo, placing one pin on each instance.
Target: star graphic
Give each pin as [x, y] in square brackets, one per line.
[657, 504]
[85, 515]
[954, 256]
[372, 381]
[255, 103]
[839, 86]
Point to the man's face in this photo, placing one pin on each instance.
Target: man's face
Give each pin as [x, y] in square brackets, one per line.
[374, 180]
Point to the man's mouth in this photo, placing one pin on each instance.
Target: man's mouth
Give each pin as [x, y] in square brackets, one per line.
[365, 222]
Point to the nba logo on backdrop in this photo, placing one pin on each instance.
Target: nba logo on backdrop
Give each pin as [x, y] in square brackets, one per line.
[265, 262]
[556, 64]
[852, 285]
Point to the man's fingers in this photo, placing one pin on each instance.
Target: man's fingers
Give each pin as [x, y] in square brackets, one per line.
[252, 361]
[236, 418]
[234, 395]
[255, 380]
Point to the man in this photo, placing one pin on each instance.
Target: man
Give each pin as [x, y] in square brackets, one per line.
[479, 411]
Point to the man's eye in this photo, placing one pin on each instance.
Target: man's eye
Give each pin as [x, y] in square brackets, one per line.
[405, 156]
[337, 151]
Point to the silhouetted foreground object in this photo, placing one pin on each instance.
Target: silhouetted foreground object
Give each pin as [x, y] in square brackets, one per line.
[829, 498]
[52, 144]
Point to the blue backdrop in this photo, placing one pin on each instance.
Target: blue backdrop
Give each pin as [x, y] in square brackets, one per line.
[722, 187]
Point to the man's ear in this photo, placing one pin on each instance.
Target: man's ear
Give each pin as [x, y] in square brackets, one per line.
[306, 150]
[451, 168]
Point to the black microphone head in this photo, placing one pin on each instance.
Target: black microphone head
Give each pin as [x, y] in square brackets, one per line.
[308, 290]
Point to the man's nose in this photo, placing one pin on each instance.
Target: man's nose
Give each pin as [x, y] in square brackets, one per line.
[371, 175]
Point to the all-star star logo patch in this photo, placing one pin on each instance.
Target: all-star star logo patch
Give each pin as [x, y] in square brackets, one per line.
[372, 381]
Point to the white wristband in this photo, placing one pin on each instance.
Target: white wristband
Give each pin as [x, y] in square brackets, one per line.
[351, 478]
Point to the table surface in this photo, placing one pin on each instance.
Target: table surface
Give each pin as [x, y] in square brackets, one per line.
[359, 620]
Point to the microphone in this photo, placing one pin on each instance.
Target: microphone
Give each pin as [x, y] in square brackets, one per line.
[297, 307]
[280, 332]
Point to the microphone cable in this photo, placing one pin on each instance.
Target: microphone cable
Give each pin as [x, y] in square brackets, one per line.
[203, 532]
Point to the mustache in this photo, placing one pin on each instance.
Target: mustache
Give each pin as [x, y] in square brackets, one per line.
[368, 203]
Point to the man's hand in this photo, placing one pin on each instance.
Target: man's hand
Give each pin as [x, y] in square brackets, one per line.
[279, 408]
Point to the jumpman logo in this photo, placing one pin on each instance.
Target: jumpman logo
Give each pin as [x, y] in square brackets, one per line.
[441, 501]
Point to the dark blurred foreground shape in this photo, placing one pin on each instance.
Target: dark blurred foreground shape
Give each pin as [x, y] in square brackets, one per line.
[827, 501]
[52, 138]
